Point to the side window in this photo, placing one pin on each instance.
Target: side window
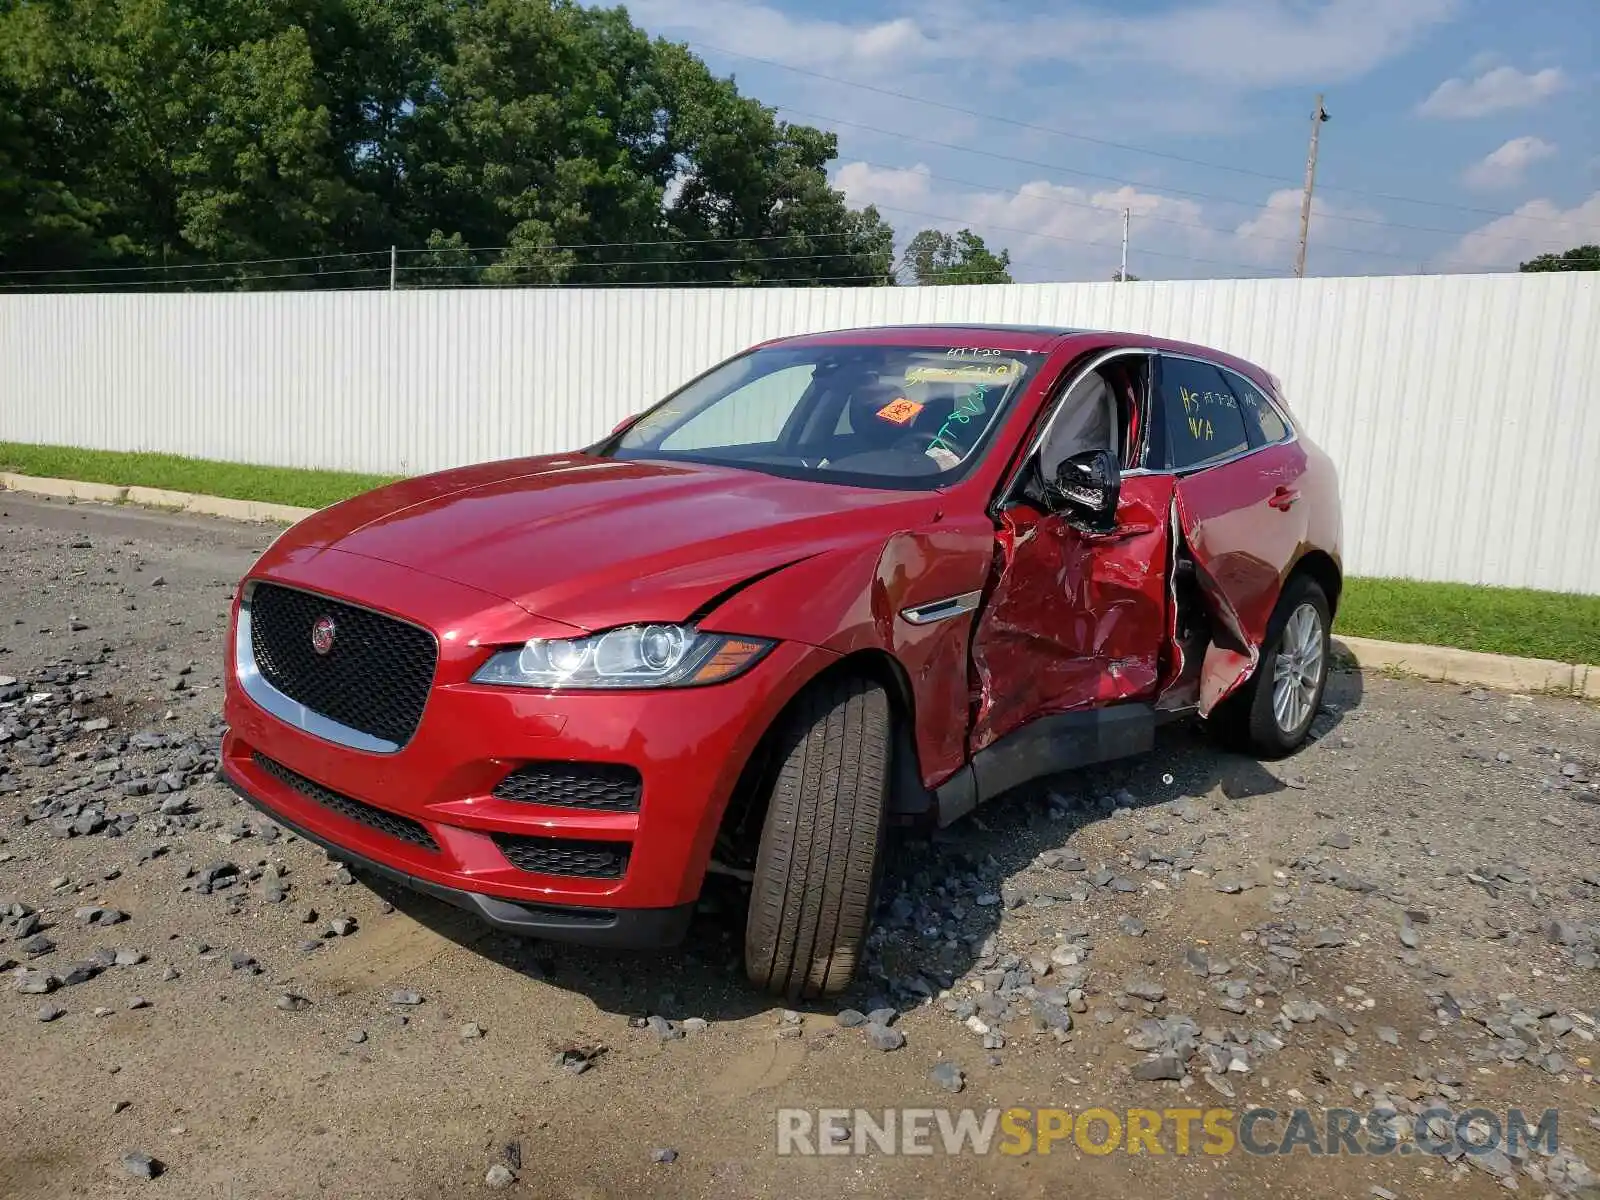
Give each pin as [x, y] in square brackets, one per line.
[1261, 420]
[1201, 415]
[752, 414]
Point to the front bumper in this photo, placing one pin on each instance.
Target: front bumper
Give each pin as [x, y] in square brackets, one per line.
[688, 745]
[622, 929]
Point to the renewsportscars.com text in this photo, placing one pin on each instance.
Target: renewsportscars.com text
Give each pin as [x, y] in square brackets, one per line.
[1170, 1131]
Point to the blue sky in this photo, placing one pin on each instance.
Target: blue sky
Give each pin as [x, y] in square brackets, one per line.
[1464, 134]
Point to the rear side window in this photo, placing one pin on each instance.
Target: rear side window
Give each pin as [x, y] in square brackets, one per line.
[1261, 420]
[1202, 415]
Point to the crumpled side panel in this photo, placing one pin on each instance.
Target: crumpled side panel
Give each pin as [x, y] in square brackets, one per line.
[1176, 663]
[1222, 674]
[1232, 655]
[917, 567]
[1072, 619]
[848, 599]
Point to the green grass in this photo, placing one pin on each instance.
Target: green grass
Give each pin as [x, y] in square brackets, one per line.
[1495, 620]
[236, 481]
[1532, 624]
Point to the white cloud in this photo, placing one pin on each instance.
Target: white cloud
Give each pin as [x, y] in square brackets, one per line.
[1505, 167]
[1271, 43]
[748, 27]
[1272, 234]
[1494, 91]
[889, 39]
[863, 184]
[1288, 41]
[1537, 227]
[1274, 230]
[1059, 232]
[1056, 223]
[1053, 231]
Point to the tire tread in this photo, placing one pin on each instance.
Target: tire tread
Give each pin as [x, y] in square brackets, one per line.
[810, 903]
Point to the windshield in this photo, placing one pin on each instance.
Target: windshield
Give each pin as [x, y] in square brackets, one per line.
[878, 416]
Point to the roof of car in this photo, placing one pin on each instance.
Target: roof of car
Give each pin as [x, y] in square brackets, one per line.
[1014, 337]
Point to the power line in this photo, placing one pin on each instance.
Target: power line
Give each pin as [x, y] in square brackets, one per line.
[447, 268]
[167, 269]
[1106, 142]
[1150, 187]
[169, 280]
[238, 262]
[635, 262]
[705, 241]
[755, 263]
[696, 283]
[198, 279]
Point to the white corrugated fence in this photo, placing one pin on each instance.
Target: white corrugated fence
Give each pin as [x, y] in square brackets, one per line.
[1462, 410]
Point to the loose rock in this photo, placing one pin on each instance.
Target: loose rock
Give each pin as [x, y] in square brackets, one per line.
[881, 1037]
[499, 1177]
[140, 1165]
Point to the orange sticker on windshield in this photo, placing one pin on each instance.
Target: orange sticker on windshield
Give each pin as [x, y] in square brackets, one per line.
[900, 411]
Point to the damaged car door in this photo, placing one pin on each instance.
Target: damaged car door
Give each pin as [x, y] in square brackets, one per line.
[1075, 617]
[1236, 468]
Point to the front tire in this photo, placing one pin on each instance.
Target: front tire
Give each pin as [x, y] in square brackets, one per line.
[1271, 715]
[811, 899]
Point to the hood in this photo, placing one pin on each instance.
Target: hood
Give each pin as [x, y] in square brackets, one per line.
[595, 542]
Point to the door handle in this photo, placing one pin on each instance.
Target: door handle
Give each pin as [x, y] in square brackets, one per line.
[1283, 497]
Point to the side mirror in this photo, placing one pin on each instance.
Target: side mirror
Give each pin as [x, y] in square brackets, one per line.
[1088, 484]
[625, 422]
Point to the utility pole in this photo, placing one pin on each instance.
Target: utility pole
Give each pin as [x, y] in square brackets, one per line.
[1318, 116]
[394, 266]
[1123, 277]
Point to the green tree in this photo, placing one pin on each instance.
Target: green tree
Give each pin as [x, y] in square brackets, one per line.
[751, 188]
[1579, 258]
[184, 133]
[940, 258]
[519, 141]
[42, 221]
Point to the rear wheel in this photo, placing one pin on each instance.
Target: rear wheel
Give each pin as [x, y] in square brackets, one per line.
[816, 870]
[1272, 714]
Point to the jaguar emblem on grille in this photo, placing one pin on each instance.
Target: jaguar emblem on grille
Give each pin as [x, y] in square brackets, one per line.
[322, 632]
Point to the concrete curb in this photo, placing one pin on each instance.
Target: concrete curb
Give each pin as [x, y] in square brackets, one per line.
[1442, 664]
[1446, 664]
[186, 502]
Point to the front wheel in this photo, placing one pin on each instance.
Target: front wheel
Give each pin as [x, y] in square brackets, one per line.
[811, 899]
[1272, 714]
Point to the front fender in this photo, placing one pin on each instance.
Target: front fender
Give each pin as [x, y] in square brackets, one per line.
[855, 599]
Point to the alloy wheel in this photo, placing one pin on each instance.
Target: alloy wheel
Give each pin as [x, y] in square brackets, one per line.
[1297, 674]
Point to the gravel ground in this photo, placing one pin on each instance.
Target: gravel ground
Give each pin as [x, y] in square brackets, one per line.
[197, 1005]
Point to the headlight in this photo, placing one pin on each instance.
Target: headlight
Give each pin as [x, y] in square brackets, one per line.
[635, 656]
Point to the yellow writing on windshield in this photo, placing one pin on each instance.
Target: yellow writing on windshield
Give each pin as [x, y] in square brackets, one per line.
[974, 373]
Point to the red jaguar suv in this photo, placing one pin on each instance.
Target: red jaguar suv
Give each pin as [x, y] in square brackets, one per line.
[840, 580]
